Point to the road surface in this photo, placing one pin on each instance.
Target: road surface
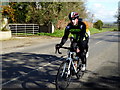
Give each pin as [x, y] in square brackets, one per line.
[36, 66]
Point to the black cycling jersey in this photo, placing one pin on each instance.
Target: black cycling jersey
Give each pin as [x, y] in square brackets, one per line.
[78, 31]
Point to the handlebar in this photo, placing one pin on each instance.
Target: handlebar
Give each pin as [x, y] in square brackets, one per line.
[58, 49]
[69, 48]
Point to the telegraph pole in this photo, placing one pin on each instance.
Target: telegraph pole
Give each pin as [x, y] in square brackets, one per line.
[119, 15]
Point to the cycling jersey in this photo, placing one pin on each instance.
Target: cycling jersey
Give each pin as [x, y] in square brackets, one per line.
[78, 31]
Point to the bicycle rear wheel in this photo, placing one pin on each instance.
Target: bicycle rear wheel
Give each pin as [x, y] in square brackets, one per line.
[63, 77]
[80, 73]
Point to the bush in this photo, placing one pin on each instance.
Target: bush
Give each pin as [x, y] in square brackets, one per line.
[98, 24]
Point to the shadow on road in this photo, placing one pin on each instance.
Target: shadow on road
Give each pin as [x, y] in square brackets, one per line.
[25, 66]
[108, 38]
[109, 83]
[107, 77]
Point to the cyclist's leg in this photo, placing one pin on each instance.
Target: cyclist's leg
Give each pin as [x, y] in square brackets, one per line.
[87, 52]
[87, 47]
[74, 48]
[73, 45]
[82, 54]
[83, 59]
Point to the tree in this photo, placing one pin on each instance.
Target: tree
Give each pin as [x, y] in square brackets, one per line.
[98, 24]
[44, 12]
[20, 11]
[16, 12]
[8, 12]
[52, 12]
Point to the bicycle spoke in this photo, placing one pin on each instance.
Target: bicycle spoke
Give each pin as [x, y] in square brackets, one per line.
[63, 79]
[63, 69]
[79, 72]
[67, 69]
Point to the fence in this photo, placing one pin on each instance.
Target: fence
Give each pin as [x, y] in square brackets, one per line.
[29, 29]
[24, 29]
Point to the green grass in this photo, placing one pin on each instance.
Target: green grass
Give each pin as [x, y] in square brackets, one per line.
[94, 30]
[60, 33]
[57, 33]
[23, 34]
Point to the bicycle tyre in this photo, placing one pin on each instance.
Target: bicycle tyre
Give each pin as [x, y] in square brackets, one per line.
[79, 72]
[62, 82]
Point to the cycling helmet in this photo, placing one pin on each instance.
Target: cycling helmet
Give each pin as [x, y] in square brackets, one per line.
[73, 15]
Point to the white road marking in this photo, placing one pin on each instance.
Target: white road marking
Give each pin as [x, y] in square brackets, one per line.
[98, 42]
[14, 79]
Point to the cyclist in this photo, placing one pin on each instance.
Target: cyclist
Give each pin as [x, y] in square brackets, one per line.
[80, 41]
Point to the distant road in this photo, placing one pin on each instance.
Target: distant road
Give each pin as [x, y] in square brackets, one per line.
[36, 66]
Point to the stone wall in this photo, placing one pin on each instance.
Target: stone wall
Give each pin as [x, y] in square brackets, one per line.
[5, 35]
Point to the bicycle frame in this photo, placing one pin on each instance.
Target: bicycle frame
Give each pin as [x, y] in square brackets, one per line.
[70, 58]
[68, 68]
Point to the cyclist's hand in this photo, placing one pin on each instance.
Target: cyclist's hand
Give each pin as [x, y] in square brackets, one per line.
[78, 50]
[58, 46]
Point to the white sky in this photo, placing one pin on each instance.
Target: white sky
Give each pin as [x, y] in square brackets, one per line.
[103, 9]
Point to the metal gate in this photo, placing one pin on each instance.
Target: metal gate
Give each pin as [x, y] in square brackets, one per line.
[26, 29]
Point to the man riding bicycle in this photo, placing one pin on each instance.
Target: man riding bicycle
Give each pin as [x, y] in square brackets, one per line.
[80, 38]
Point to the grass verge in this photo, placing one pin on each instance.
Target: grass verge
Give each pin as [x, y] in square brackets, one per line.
[94, 30]
[57, 33]
[60, 33]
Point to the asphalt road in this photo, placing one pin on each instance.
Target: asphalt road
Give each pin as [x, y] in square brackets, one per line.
[36, 66]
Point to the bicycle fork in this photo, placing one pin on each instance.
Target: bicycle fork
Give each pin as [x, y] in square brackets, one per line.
[68, 68]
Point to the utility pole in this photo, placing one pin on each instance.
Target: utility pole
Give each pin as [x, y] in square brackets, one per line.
[119, 15]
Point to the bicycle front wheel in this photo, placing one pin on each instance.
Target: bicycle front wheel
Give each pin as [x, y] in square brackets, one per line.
[63, 77]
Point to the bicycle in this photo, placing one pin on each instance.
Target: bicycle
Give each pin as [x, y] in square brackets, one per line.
[68, 69]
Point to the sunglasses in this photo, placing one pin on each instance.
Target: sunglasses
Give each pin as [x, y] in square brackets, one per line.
[73, 18]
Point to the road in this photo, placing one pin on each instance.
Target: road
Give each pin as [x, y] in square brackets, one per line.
[36, 66]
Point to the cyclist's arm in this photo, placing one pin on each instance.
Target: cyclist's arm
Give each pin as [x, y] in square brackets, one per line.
[65, 37]
[83, 31]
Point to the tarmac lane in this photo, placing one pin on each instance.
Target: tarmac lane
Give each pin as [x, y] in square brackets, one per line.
[36, 66]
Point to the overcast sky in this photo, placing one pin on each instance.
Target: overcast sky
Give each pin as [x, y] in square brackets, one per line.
[103, 9]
